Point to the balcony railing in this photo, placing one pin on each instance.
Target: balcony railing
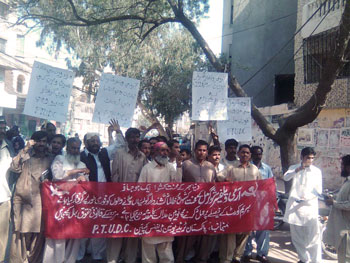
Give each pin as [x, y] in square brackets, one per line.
[329, 11]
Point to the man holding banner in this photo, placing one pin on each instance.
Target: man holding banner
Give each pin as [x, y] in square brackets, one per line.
[126, 167]
[97, 160]
[232, 245]
[66, 168]
[159, 170]
[197, 169]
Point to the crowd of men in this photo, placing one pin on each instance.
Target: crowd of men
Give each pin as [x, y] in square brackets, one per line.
[129, 159]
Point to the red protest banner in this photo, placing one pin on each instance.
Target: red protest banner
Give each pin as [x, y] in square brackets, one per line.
[90, 209]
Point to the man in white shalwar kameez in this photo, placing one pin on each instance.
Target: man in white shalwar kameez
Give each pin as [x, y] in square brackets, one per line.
[159, 170]
[302, 207]
[337, 231]
[66, 168]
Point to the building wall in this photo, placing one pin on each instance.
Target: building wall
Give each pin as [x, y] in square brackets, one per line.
[329, 135]
[339, 95]
[259, 29]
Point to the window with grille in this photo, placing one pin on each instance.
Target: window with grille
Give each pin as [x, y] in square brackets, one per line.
[316, 50]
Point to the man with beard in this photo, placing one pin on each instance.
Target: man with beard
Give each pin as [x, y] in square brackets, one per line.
[66, 168]
[337, 231]
[57, 144]
[302, 207]
[6, 154]
[126, 167]
[97, 160]
[232, 245]
[197, 169]
[32, 163]
[159, 170]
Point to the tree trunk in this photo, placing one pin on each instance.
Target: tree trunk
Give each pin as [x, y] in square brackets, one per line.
[289, 154]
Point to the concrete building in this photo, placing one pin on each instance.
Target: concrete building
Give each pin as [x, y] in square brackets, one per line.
[254, 32]
[329, 134]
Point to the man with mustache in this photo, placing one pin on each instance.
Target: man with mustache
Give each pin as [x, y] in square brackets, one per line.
[197, 169]
[214, 156]
[57, 144]
[97, 160]
[66, 168]
[159, 170]
[6, 154]
[126, 167]
[232, 245]
[32, 163]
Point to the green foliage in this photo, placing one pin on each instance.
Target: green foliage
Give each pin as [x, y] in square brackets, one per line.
[131, 37]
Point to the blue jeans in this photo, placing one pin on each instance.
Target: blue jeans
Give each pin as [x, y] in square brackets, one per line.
[262, 239]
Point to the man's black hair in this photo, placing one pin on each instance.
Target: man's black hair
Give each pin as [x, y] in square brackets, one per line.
[214, 148]
[255, 148]
[131, 131]
[199, 143]
[154, 138]
[171, 143]
[142, 142]
[61, 136]
[244, 146]
[307, 151]
[162, 139]
[231, 142]
[45, 125]
[38, 135]
[186, 151]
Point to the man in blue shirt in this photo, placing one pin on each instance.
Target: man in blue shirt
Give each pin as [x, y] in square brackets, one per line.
[262, 238]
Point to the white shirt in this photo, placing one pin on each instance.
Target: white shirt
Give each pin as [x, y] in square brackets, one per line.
[226, 162]
[60, 166]
[111, 150]
[154, 173]
[5, 162]
[307, 186]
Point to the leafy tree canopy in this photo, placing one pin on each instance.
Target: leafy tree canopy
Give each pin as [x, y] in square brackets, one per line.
[164, 61]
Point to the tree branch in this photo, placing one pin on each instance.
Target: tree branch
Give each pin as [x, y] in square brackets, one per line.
[334, 64]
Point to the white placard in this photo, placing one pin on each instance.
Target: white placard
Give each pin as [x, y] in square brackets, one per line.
[49, 92]
[209, 96]
[116, 99]
[239, 123]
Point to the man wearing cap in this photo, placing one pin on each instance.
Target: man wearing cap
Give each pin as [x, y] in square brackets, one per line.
[159, 170]
[126, 167]
[6, 154]
[97, 160]
[32, 163]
